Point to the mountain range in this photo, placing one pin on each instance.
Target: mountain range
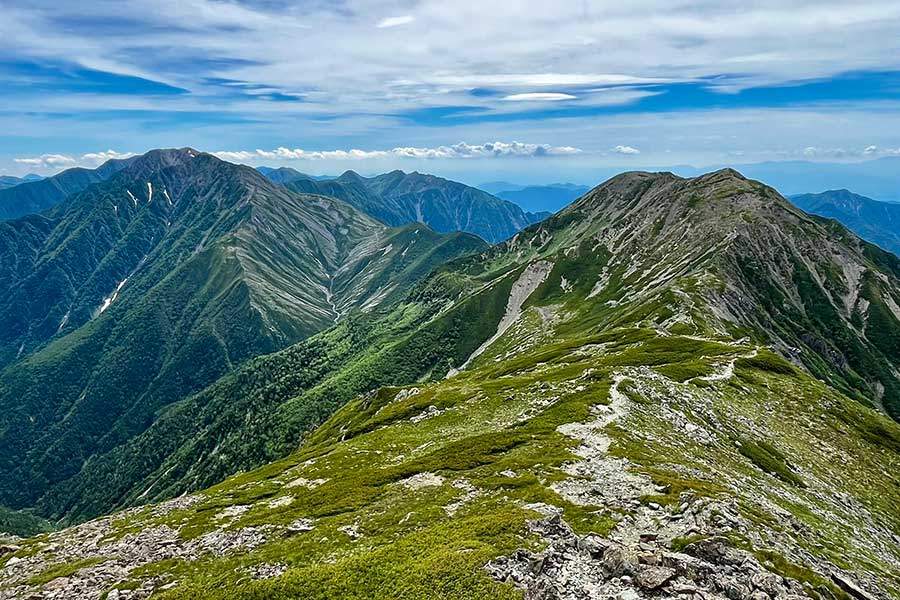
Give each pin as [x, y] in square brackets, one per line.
[149, 286]
[36, 196]
[870, 219]
[397, 198]
[673, 387]
[8, 181]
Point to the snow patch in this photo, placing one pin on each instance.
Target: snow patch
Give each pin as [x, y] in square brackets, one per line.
[112, 297]
[63, 322]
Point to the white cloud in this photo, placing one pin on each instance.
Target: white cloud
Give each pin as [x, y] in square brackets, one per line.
[540, 97]
[461, 150]
[47, 161]
[62, 161]
[870, 151]
[98, 158]
[395, 21]
[626, 150]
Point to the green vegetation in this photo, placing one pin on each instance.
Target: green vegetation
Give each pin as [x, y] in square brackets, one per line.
[781, 565]
[769, 459]
[21, 523]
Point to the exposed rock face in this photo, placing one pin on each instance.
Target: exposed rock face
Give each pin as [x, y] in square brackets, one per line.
[577, 567]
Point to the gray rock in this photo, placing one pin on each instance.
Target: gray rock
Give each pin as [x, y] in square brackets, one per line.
[593, 544]
[770, 583]
[716, 550]
[541, 590]
[618, 561]
[851, 588]
[650, 578]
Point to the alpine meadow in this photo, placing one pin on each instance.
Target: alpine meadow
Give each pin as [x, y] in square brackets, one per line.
[404, 300]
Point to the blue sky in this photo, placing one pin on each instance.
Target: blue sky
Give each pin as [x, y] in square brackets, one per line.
[527, 90]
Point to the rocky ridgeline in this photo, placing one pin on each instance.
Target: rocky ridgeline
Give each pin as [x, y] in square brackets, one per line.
[628, 566]
[93, 559]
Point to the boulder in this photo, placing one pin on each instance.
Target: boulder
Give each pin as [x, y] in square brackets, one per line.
[618, 561]
[649, 577]
[851, 588]
[716, 550]
[770, 583]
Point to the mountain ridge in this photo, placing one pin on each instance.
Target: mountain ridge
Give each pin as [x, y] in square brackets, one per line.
[153, 284]
[29, 197]
[397, 198]
[611, 262]
[651, 393]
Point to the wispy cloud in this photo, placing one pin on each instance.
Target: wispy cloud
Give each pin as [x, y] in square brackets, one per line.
[395, 21]
[461, 150]
[539, 97]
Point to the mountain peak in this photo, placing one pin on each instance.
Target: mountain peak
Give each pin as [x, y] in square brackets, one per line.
[156, 160]
[726, 172]
[351, 176]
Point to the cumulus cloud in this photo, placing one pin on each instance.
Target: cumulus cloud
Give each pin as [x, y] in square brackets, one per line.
[395, 21]
[461, 150]
[628, 150]
[60, 161]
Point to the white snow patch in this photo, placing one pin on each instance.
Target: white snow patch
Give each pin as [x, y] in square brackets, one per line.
[166, 194]
[130, 195]
[63, 322]
[112, 297]
[149, 192]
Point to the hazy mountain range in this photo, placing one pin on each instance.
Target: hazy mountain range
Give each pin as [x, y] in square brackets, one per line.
[877, 222]
[8, 181]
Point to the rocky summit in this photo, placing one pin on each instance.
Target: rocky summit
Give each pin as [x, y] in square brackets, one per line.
[673, 388]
